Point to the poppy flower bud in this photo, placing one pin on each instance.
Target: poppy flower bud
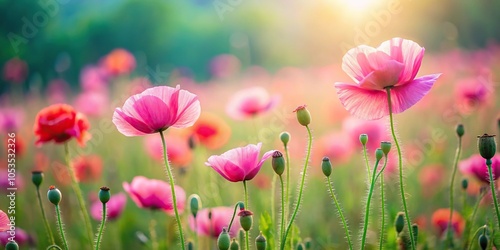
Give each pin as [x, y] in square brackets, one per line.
[308, 243]
[104, 195]
[260, 242]
[194, 204]
[483, 241]
[301, 246]
[465, 184]
[379, 154]
[326, 166]
[363, 138]
[234, 245]
[487, 146]
[460, 130]
[414, 229]
[285, 138]
[190, 245]
[223, 241]
[54, 195]
[278, 162]
[11, 245]
[400, 222]
[246, 219]
[37, 178]
[303, 115]
[386, 147]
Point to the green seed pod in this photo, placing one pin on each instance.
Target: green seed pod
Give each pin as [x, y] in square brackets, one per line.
[104, 195]
[363, 138]
[400, 222]
[234, 245]
[379, 154]
[326, 166]
[308, 243]
[278, 162]
[460, 130]
[487, 146]
[303, 115]
[285, 138]
[54, 195]
[37, 178]
[386, 147]
[414, 228]
[301, 246]
[465, 184]
[260, 242]
[223, 241]
[194, 204]
[483, 241]
[11, 245]
[246, 219]
[190, 245]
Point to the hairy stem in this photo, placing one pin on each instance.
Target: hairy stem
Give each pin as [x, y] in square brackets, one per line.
[101, 228]
[247, 233]
[282, 223]
[382, 208]
[369, 177]
[44, 216]
[493, 191]
[449, 235]
[367, 209]
[61, 230]
[341, 214]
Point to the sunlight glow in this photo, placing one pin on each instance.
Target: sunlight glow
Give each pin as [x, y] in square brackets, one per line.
[358, 5]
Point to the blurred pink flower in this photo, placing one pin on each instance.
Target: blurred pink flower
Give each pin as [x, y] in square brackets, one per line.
[4, 220]
[376, 131]
[11, 119]
[250, 102]
[336, 146]
[224, 66]
[92, 103]
[154, 194]
[157, 109]
[431, 178]
[15, 70]
[476, 166]
[5, 182]
[118, 62]
[179, 153]
[219, 218]
[22, 237]
[473, 92]
[114, 208]
[87, 168]
[239, 164]
[57, 91]
[394, 64]
[93, 78]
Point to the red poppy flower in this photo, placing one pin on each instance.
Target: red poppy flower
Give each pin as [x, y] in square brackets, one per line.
[60, 122]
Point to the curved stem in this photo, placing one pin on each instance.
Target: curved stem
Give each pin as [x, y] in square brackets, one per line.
[152, 233]
[53, 246]
[172, 187]
[476, 233]
[247, 233]
[382, 209]
[44, 216]
[449, 235]
[400, 166]
[101, 228]
[493, 192]
[299, 199]
[61, 230]
[473, 216]
[282, 223]
[369, 177]
[367, 209]
[341, 214]
[232, 218]
[79, 196]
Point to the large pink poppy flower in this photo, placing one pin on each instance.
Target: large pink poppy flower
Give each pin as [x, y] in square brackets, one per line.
[394, 64]
[219, 218]
[239, 164]
[157, 109]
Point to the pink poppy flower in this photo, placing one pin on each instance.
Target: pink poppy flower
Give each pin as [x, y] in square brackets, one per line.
[15, 70]
[5, 183]
[394, 64]
[157, 109]
[11, 119]
[92, 103]
[4, 221]
[250, 102]
[154, 194]
[336, 146]
[22, 237]
[473, 92]
[57, 91]
[93, 78]
[239, 164]
[476, 166]
[212, 227]
[114, 208]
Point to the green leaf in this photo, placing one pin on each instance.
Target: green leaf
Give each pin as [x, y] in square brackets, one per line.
[266, 226]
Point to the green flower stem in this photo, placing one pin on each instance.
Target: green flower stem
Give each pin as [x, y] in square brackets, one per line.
[273, 191]
[287, 195]
[493, 192]
[282, 223]
[234, 214]
[369, 177]
[400, 165]
[152, 234]
[54, 246]
[45, 221]
[299, 198]
[101, 228]
[472, 218]
[382, 208]
[196, 233]
[247, 233]
[78, 191]
[367, 209]
[61, 230]
[449, 235]
[476, 233]
[172, 187]
[341, 214]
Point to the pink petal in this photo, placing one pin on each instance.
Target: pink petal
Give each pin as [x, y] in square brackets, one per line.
[132, 194]
[153, 111]
[129, 126]
[363, 103]
[254, 172]
[226, 168]
[407, 95]
[351, 64]
[407, 52]
[189, 110]
[386, 75]
[4, 221]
